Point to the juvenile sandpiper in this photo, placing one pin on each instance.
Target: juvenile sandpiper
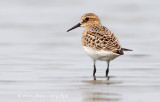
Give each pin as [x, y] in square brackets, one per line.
[98, 41]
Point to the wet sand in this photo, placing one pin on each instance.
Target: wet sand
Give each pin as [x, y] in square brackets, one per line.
[41, 62]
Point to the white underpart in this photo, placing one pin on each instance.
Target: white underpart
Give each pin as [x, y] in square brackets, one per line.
[100, 54]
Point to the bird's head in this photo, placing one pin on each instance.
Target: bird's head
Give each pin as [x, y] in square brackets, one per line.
[87, 20]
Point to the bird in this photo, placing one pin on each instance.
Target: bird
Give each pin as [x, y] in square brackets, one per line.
[98, 41]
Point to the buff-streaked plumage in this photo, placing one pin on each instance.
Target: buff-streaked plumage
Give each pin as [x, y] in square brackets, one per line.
[99, 37]
[98, 41]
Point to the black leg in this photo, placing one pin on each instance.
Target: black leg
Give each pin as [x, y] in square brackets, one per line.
[94, 70]
[107, 71]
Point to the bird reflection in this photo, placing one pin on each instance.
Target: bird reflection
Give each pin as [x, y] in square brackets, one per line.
[100, 96]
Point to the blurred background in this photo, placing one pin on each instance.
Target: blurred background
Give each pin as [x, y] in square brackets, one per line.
[41, 62]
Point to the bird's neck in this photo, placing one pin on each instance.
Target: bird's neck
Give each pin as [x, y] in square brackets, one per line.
[95, 28]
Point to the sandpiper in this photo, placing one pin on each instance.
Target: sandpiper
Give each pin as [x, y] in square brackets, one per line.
[98, 41]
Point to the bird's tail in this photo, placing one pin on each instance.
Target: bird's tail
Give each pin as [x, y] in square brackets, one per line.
[124, 49]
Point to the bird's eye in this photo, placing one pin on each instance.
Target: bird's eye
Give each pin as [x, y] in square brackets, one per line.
[87, 19]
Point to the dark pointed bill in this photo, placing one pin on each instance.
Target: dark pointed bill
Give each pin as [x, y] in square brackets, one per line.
[77, 25]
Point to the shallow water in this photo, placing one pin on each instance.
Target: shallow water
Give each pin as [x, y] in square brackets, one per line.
[41, 62]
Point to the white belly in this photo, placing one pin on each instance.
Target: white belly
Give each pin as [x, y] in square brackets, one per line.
[100, 54]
